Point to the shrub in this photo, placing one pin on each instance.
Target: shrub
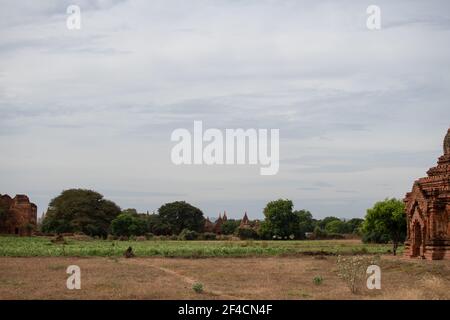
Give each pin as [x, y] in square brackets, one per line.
[225, 237]
[334, 236]
[209, 236]
[319, 233]
[197, 287]
[318, 280]
[246, 233]
[352, 269]
[187, 234]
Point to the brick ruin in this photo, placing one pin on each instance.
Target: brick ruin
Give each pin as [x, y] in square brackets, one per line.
[18, 215]
[428, 212]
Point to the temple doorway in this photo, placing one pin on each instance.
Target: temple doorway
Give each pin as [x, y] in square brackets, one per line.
[417, 240]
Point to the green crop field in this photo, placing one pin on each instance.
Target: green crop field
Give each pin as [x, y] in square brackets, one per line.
[43, 247]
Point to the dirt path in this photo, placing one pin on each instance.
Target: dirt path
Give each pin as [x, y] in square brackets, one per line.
[188, 280]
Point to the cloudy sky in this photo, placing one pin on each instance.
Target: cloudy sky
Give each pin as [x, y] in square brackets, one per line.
[361, 113]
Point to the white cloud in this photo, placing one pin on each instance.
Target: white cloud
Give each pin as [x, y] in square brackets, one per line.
[95, 107]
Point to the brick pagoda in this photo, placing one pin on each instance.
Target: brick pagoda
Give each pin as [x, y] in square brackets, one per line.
[428, 212]
[19, 215]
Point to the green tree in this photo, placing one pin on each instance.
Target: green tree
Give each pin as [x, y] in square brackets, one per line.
[246, 233]
[322, 223]
[180, 215]
[336, 226]
[127, 224]
[79, 210]
[386, 220]
[130, 211]
[354, 225]
[306, 222]
[280, 220]
[230, 226]
[157, 226]
[319, 233]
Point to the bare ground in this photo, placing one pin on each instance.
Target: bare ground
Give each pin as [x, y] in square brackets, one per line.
[222, 278]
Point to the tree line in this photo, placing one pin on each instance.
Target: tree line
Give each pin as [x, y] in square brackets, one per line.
[86, 211]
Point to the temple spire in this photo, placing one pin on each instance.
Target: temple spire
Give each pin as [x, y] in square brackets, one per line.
[447, 143]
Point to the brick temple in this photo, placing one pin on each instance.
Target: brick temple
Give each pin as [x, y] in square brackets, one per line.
[216, 227]
[18, 215]
[428, 212]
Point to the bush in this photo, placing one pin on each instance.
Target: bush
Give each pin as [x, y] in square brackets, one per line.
[187, 234]
[149, 236]
[246, 233]
[225, 237]
[318, 280]
[209, 236]
[352, 269]
[197, 287]
[334, 236]
[319, 233]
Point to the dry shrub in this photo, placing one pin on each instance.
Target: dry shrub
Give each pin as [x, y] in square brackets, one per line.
[352, 269]
[434, 287]
[429, 287]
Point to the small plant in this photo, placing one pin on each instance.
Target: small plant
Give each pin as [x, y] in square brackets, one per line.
[318, 280]
[197, 287]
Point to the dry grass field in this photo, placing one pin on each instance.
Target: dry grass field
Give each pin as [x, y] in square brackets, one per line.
[222, 278]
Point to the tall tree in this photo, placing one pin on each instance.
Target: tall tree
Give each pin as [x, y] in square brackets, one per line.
[80, 210]
[181, 215]
[386, 220]
[280, 220]
[306, 222]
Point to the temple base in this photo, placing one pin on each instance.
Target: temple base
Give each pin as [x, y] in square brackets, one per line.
[434, 250]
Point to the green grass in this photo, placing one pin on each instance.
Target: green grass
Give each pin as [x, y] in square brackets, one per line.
[43, 247]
